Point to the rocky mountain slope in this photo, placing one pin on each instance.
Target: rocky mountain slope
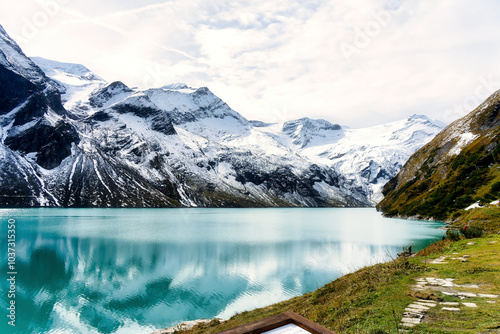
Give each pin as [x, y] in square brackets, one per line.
[69, 138]
[456, 169]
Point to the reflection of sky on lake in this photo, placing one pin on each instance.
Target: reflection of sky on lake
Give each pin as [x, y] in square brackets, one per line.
[103, 271]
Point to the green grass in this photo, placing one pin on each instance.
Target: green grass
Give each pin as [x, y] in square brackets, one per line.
[443, 188]
[487, 218]
[373, 298]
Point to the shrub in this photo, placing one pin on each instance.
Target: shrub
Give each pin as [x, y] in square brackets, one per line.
[437, 247]
[495, 188]
[475, 270]
[464, 201]
[488, 198]
[472, 232]
[453, 235]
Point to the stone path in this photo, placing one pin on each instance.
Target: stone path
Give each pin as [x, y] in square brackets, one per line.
[442, 259]
[415, 312]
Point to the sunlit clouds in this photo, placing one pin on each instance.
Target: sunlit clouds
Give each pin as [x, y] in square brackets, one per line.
[357, 62]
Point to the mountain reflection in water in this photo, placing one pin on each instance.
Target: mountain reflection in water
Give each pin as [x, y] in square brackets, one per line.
[148, 269]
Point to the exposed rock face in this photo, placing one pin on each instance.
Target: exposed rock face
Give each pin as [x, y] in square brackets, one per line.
[50, 143]
[14, 89]
[33, 118]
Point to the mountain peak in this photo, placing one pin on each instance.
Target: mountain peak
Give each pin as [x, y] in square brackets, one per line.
[13, 59]
[109, 94]
[176, 86]
[203, 91]
[65, 71]
[260, 124]
[305, 129]
[416, 117]
[309, 124]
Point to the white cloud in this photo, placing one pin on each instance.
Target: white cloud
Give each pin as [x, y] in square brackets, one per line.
[276, 60]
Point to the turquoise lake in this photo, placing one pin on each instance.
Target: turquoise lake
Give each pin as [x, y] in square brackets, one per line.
[139, 270]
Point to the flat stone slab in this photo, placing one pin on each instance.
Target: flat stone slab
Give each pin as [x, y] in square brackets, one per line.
[467, 294]
[411, 320]
[451, 309]
[407, 324]
[485, 295]
[470, 304]
[413, 315]
[471, 286]
[418, 307]
[414, 310]
[439, 260]
[428, 304]
[450, 303]
[462, 295]
[448, 284]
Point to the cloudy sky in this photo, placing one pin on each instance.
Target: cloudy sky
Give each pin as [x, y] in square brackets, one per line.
[352, 62]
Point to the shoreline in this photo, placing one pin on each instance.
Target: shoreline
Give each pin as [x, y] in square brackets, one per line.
[188, 325]
[383, 291]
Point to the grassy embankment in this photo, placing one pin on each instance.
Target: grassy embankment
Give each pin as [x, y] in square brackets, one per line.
[373, 299]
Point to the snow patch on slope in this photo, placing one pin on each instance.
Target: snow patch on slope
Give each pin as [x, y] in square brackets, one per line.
[77, 81]
[463, 140]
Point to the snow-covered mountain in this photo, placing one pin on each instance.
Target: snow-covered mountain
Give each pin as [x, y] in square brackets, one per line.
[69, 138]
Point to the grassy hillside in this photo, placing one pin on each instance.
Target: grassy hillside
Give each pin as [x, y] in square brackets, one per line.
[373, 299]
[486, 218]
[472, 176]
[459, 167]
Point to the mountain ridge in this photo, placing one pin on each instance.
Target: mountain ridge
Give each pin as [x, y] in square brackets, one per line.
[105, 144]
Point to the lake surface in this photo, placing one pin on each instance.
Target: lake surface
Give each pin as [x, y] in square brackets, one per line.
[138, 270]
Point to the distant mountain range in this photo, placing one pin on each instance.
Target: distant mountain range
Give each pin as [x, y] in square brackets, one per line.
[71, 139]
[460, 167]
